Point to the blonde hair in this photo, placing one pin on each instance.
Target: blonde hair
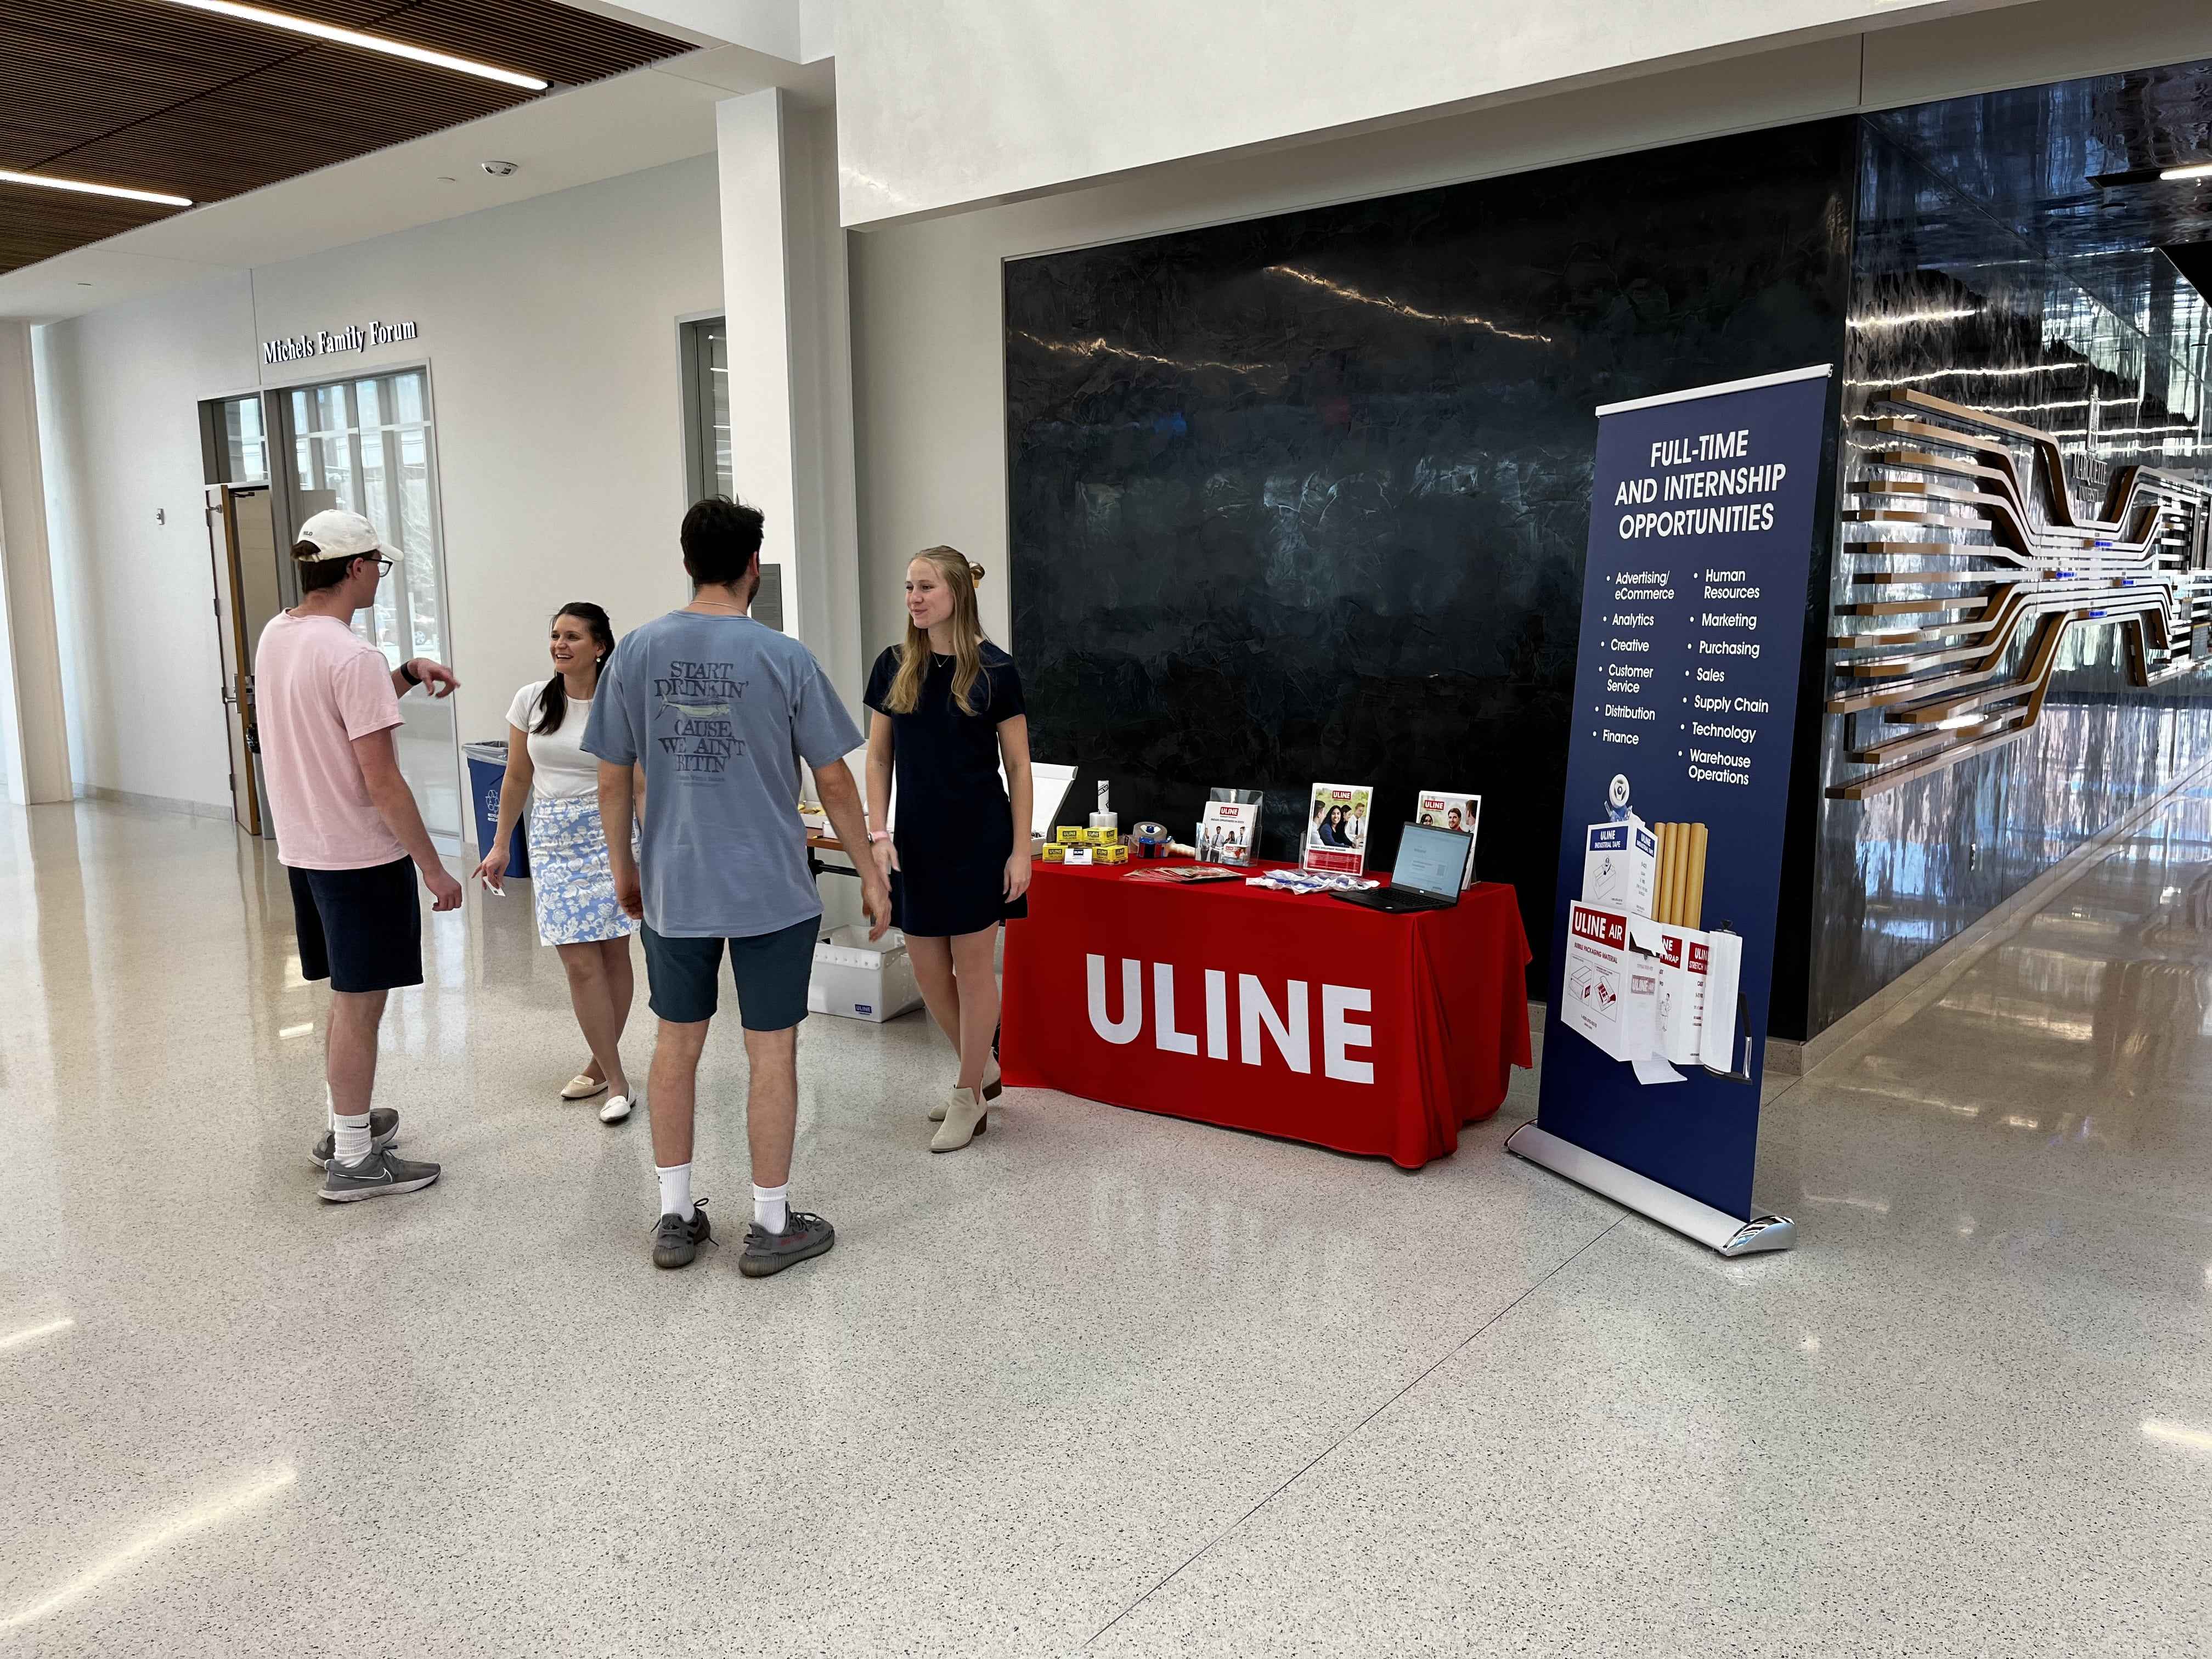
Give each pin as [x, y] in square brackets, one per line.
[953, 569]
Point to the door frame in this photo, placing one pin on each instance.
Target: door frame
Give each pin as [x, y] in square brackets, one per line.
[241, 724]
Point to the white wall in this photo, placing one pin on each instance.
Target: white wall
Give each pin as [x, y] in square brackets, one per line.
[550, 330]
[135, 600]
[33, 730]
[28, 649]
[791, 381]
[928, 381]
[969, 101]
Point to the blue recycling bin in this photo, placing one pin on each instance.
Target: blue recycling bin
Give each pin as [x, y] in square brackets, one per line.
[487, 773]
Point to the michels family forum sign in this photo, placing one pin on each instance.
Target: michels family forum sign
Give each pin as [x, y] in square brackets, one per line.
[326, 343]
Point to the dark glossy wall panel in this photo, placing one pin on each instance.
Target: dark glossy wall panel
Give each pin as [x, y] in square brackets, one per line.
[2049, 313]
[1305, 498]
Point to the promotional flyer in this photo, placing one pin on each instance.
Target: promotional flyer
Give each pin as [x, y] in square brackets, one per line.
[1453, 810]
[1678, 771]
[1336, 829]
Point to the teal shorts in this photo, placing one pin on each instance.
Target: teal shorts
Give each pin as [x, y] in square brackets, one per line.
[770, 970]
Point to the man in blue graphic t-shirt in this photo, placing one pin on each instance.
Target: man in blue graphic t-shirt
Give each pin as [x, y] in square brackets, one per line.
[719, 710]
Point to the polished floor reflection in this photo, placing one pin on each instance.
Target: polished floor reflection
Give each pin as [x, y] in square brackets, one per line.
[1106, 1381]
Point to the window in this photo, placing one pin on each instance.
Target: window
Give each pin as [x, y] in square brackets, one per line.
[367, 443]
[238, 446]
[707, 408]
[708, 465]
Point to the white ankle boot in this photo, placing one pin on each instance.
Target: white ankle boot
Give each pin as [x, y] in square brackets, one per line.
[965, 1117]
[992, 1088]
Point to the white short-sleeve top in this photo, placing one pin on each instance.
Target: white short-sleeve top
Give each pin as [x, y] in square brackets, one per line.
[560, 770]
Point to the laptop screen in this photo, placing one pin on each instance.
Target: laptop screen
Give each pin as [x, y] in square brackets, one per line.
[1430, 859]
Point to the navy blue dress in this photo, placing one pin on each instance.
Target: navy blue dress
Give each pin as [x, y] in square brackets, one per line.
[956, 829]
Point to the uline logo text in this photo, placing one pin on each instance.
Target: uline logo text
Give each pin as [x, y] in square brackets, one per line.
[1260, 1021]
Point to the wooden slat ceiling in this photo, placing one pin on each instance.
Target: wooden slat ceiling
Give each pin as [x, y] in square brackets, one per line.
[153, 96]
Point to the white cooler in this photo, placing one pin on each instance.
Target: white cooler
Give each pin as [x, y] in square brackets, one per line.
[857, 979]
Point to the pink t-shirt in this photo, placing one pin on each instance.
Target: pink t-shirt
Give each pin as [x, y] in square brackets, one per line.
[317, 686]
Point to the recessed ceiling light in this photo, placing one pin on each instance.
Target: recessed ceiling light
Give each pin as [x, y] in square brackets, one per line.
[2194, 170]
[277, 20]
[40, 180]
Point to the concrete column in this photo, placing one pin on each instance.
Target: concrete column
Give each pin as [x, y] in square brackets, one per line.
[33, 734]
[790, 360]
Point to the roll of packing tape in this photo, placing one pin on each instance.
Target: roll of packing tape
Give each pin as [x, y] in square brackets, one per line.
[1723, 976]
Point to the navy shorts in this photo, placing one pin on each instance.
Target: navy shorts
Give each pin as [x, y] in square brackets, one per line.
[770, 970]
[360, 929]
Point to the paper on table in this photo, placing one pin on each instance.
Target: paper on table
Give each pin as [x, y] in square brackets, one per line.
[1049, 786]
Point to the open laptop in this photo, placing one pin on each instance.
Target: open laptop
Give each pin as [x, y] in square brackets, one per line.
[1426, 876]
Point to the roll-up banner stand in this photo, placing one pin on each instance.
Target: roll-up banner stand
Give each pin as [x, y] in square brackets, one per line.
[1677, 775]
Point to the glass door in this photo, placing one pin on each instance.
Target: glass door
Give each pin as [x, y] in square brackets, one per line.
[367, 444]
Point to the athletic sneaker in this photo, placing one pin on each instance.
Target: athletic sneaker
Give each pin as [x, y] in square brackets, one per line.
[676, 1241]
[767, 1253]
[374, 1177]
[383, 1131]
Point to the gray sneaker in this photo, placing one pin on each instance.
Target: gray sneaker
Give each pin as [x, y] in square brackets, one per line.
[676, 1241]
[383, 1131]
[767, 1253]
[374, 1177]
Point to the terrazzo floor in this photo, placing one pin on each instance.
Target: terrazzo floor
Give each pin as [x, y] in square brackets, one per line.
[1104, 1381]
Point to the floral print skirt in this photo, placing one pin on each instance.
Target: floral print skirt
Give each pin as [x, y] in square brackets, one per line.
[573, 884]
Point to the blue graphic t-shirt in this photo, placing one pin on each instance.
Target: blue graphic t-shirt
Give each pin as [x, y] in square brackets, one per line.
[719, 711]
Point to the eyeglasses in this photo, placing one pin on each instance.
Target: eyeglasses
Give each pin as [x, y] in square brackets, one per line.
[384, 563]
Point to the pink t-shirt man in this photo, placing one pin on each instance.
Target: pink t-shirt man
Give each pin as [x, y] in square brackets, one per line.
[317, 686]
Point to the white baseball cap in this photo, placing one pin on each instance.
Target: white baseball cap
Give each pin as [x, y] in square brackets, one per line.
[341, 535]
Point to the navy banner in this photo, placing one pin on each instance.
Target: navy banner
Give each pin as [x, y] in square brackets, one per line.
[1685, 701]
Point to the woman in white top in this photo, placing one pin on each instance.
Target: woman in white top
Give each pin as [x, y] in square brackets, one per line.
[575, 887]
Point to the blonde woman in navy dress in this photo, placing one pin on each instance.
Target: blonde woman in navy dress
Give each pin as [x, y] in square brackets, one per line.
[570, 877]
[947, 712]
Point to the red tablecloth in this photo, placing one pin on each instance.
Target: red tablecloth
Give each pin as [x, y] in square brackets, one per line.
[1292, 1014]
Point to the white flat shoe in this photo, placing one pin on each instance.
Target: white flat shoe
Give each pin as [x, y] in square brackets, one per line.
[992, 1088]
[616, 1109]
[583, 1086]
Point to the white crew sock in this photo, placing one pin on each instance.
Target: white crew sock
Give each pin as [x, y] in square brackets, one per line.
[330, 1110]
[676, 1191]
[770, 1210]
[351, 1135]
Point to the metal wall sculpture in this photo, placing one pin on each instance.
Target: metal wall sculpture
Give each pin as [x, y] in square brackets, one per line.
[1977, 518]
